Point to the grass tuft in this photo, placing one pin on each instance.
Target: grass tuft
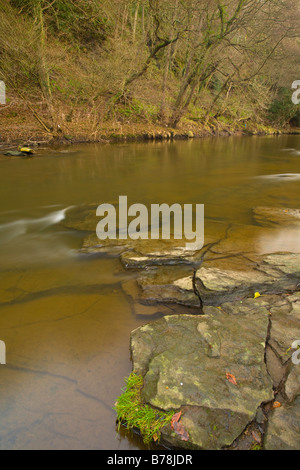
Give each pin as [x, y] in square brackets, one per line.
[134, 413]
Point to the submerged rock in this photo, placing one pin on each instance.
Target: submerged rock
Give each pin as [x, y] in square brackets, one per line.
[275, 216]
[82, 218]
[15, 153]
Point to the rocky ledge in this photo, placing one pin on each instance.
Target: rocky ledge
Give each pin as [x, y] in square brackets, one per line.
[225, 362]
[223, 370]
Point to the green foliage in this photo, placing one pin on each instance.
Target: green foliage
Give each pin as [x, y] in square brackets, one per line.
[135, 110]
[282, 110]
[215, 84]
[257, 447]
[80, 22]
[134, 413]
[18, 63]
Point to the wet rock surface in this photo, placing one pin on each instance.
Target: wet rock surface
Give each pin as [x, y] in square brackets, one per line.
[225, 270]
[224, 318]
[283, 428]
[186, 361]
[238, 276]
[185, 358]
[274, 216]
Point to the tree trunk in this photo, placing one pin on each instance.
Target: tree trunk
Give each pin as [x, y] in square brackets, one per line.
[124, 20]
[162, 115]
[135, 21]
[179, 104]
[44, 71]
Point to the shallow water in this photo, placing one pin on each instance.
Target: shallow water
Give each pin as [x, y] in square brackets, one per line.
[64, 316]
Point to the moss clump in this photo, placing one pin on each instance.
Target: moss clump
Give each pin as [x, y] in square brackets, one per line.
[134, 413]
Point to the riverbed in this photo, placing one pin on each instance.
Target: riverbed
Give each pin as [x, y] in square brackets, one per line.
[64, 315]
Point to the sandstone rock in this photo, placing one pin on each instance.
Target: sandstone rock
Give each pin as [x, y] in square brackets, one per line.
[230, 278]
[292, 384]
[132, 259]
[168, 284]
[283, 432]
[219, 279]
[285, 326]
[185, 360]
[275, 368]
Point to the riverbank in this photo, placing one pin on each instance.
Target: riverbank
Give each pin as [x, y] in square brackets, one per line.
[19, 125]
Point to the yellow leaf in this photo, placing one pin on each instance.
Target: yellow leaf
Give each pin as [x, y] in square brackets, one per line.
[256, 295]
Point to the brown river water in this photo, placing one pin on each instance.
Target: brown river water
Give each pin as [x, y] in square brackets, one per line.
[64, 317]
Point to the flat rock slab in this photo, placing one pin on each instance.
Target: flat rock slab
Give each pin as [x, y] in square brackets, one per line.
[229, 278]
[225, 270]
[137, 254]
[285, 321]
[292, 384]
[177, 256]
[185, 359]
[82, 218]
[219, 279]
[169, 285]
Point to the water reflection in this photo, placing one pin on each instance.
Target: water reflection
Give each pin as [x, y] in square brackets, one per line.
[281, 240]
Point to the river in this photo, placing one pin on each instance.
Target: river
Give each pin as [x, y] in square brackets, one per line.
[64, 317]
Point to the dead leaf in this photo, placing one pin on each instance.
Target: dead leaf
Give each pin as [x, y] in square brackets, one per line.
[176, 417]
[231, 378]
[180, 431]
[178, 427]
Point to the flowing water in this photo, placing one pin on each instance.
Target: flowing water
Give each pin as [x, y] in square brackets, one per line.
[64, 317]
